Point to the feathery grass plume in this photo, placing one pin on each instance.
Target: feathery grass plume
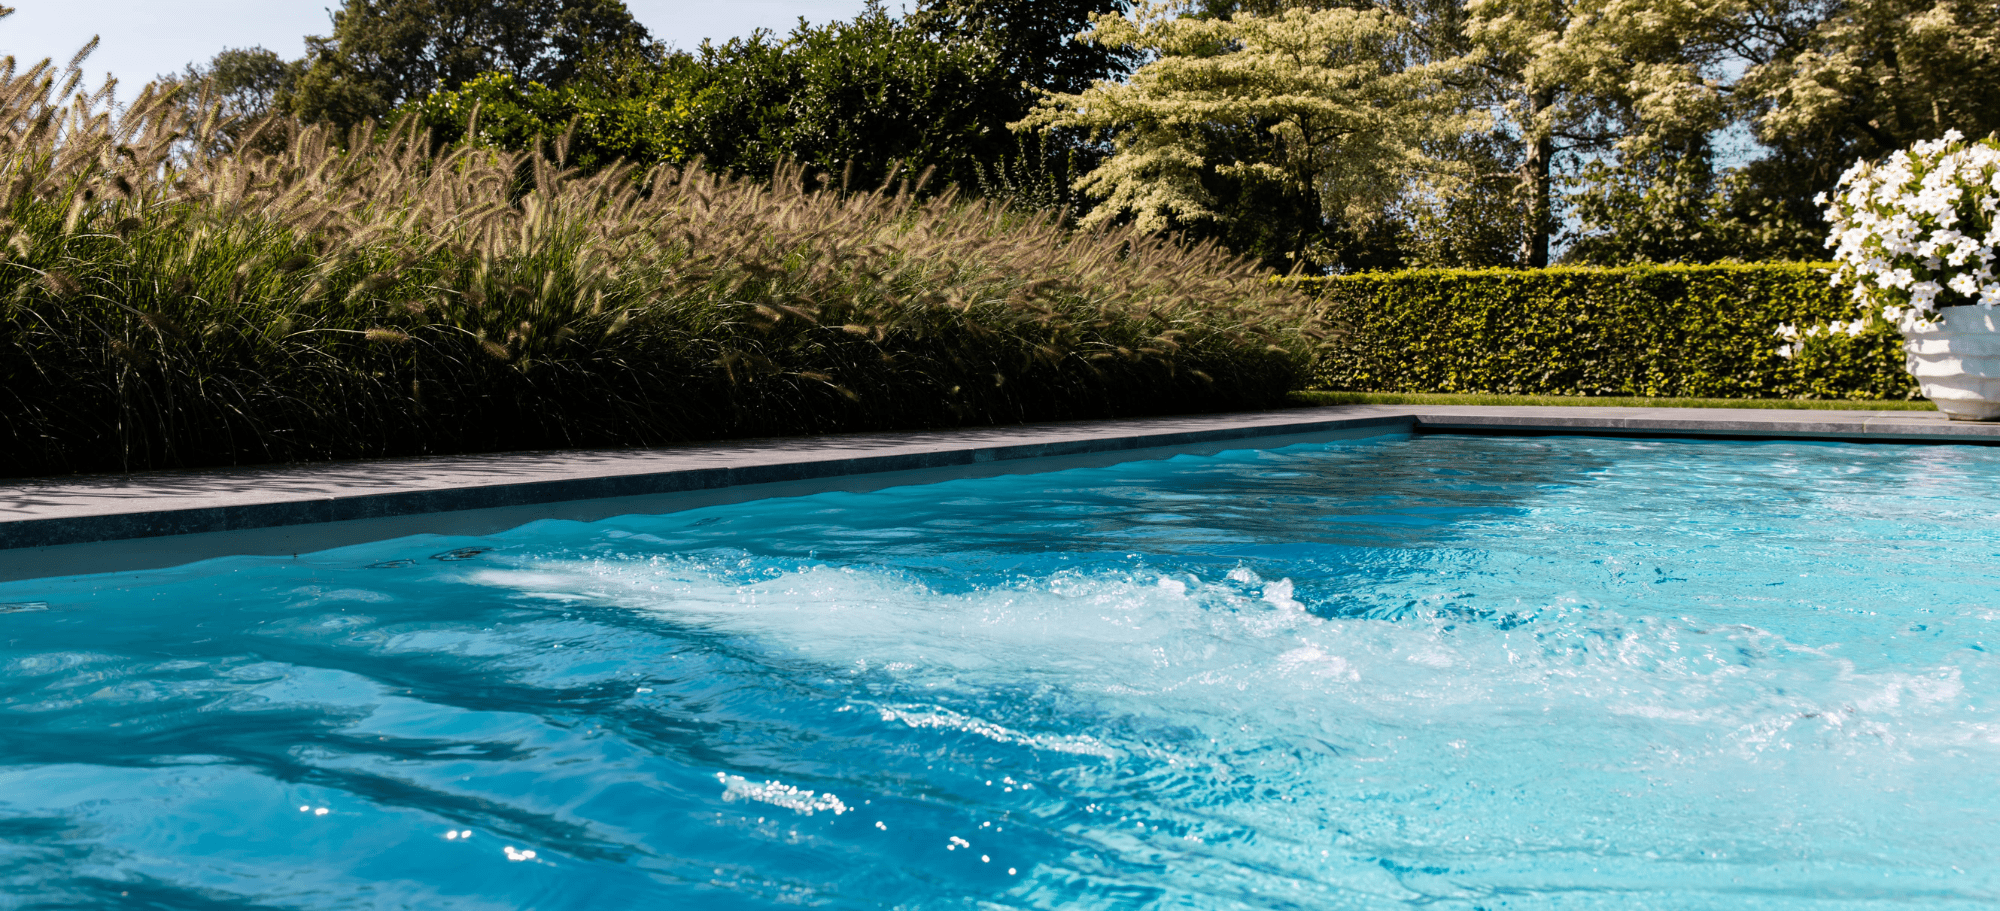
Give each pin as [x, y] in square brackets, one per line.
[337, 279]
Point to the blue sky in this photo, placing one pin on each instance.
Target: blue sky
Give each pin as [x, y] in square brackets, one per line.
[146, 38]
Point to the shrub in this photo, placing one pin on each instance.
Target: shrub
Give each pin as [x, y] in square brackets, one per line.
[161, 306]
[856, 98]
[590, 126]
[1697, 331]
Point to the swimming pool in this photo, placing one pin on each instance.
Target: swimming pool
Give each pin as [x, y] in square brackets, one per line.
[1456, 672]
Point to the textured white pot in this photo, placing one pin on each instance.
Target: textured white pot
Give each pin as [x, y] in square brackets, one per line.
[1957, 362]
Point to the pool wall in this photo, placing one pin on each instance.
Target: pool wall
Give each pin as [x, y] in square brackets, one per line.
[91, 524]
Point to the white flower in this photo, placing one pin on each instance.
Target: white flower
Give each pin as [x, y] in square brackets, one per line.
[1910, 226]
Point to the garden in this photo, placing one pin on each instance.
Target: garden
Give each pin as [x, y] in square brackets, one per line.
[539, 228]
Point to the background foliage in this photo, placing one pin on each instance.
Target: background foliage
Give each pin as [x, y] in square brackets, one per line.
[1687, 331]
[383, 54]
[860, 99]
[1628, 130]
[856, 100]
[1614, 131]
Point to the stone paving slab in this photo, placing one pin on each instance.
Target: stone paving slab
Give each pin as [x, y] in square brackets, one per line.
[51, 511]
[39, 514]
[1856, 426]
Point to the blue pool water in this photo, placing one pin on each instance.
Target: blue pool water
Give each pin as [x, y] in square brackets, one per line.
[1441, 672]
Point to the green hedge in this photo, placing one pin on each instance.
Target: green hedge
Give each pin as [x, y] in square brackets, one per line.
[1695, 331]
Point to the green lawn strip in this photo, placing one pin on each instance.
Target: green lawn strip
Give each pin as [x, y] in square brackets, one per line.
[1322, 397]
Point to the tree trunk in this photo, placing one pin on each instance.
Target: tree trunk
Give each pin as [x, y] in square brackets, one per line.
[1537, 185]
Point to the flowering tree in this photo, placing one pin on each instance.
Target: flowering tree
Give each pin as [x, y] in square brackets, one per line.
[1917, 230]
[1312, 102]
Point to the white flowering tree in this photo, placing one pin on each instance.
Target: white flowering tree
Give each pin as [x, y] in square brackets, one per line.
[1304, 99]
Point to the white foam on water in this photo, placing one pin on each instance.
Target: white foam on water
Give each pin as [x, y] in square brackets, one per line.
[937, 717]
[779, 794]
[1155, 636]
[1568, 746]
[1246, 649]
[1279, 594]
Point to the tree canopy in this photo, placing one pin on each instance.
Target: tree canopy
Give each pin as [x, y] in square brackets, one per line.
[383, 53]
[856, 99]
[1626, 130]
[1034, 41]
[1326, 134]
[1294, 107]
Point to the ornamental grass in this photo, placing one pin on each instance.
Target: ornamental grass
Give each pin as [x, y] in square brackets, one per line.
[177, 291]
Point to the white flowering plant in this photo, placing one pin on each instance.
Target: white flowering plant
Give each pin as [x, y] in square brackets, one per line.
[1916, 231]
[1796, 337]
[1912, 234]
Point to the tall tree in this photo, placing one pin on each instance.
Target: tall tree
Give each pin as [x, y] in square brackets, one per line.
[237, 85]
[383, 53]
[1825, 85]
[1036, 45]
[1818, 84]
[1034, 41]
[245, 82]
[1308, 112]
[858, 98]
[1551, 68]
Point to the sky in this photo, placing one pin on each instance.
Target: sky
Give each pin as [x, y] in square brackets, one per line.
[142, 39]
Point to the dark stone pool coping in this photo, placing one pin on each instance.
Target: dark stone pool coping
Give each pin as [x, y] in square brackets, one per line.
[41, 517]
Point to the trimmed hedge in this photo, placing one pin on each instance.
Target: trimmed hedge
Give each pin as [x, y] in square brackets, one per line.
[1690, 331]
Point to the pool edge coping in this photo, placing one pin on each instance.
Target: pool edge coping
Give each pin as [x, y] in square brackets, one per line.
[103, 509]
[818, 459]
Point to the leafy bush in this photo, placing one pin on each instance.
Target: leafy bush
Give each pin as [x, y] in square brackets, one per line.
[860, 98]
[165, 306]
[1694, 331]
[591, 126]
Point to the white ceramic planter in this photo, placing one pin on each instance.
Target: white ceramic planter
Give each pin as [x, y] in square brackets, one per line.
[1957, 362]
